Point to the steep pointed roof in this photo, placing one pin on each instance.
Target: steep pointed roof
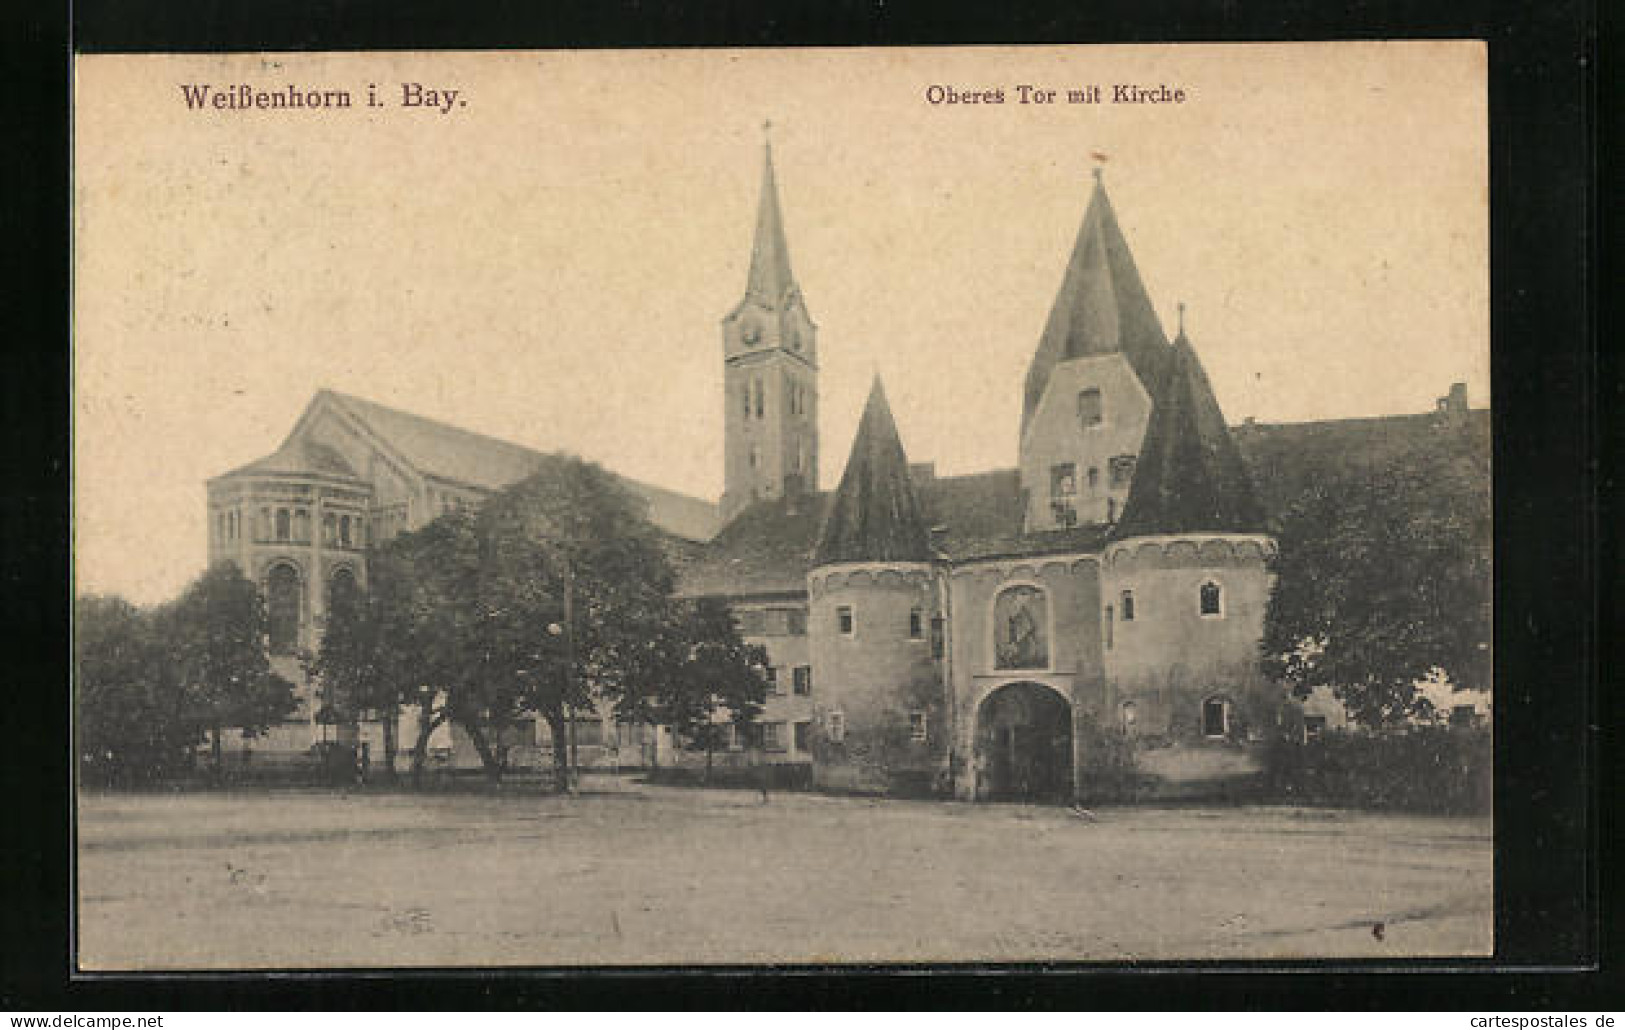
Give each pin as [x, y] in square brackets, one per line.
[1190, 476]
[1101, 308]
[770, 276]
[875, 515]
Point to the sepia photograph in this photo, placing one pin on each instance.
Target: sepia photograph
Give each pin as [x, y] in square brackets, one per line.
[782, 507]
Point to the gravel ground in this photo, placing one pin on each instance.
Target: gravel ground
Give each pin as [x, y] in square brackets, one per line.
[635, 874]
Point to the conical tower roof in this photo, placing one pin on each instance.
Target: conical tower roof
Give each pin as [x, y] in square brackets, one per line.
[1190, 476]
[770, 276]
[875, 516]
[1101, 308]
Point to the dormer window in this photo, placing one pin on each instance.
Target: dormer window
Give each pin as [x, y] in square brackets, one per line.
[1091, 413]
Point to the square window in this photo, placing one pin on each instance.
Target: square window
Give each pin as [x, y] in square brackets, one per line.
[795, 622]
[801, 679]
[753, 623]
[1314, 727]
[1063, 480]
[771, 675]
[1091, 411]
[837, 727]
[1211, 600]
[916, 727]
[843, 619]
[803, 735]
[1122, 471]
[773, 736]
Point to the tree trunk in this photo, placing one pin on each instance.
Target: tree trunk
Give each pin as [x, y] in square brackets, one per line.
[489, 759]
[428, 722]
[216, 755]
[391, 716]
[561, 752]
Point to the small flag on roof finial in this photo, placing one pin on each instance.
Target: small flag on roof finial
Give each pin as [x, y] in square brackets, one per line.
[1182, 318]
[1100, 163]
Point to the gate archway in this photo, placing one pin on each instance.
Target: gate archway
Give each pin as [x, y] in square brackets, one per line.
[1024, 744]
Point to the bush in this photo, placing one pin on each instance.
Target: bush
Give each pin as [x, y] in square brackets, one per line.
[1433, 769]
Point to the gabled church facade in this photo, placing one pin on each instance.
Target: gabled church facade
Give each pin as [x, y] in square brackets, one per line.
[1083, 624]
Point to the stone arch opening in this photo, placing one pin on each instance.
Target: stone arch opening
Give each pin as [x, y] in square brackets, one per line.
[1024, 744]
[283, 605]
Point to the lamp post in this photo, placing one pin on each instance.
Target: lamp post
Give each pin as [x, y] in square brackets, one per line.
[572, 774]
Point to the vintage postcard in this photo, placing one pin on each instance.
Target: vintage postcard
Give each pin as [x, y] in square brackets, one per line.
[782, 506]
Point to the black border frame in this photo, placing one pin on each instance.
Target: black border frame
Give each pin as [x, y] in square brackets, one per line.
[1549, 434]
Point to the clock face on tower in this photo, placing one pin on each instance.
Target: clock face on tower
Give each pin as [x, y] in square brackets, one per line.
[751, 333]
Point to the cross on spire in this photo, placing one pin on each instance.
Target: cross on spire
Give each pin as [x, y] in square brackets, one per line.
[1182, 318]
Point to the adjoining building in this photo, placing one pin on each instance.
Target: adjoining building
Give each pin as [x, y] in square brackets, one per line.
[1091, 614]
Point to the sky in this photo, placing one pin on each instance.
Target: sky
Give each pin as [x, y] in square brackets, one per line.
[548, 260]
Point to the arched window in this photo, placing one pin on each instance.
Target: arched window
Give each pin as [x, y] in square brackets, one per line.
[344, 531]
[1212, 600]
[1109, 624]
[283, 607]
[341, 589]
[283, 525]
[756, 387]
[1215, 717]
[330, 533]
[1021, 628]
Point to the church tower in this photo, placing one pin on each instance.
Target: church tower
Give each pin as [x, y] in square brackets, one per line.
[770, 362]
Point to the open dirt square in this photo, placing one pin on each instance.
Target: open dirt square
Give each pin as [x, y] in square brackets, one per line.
[635, 874]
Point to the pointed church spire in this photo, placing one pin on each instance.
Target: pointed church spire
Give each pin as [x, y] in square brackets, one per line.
[875, 516]
[1190, 476]
[1101, 308]
[770, 276]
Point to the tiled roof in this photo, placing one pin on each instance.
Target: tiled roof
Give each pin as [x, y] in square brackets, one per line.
[1101, 308]
[1190, 476]
[875, 515]
[768, 548]
[447, 452]
[1290, 459]
[299, 457]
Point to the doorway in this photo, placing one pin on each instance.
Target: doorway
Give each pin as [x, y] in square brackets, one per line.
[1024, 744]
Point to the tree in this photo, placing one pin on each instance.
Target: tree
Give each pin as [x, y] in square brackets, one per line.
[423, 599]
[701, 671]
[358, 668]
[575, 592]
[215, 637]
[131, 722]
[1383, 580]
